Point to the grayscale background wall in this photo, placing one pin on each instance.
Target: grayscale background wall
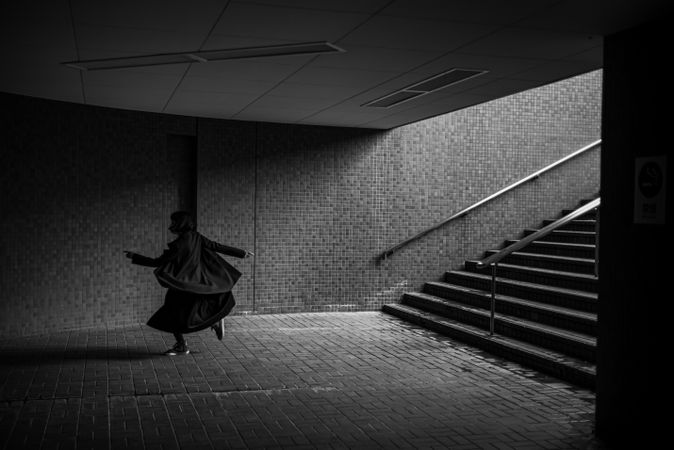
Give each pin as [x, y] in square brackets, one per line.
[81, 184]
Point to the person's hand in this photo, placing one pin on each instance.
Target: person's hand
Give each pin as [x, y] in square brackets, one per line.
[249, 254]
[129, 254]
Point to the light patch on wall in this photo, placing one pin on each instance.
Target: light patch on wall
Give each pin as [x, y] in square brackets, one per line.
[391, 293]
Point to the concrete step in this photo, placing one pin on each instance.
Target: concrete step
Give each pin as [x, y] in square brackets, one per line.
[570, 343]
[551, 262]
[557, 248]
[559, 317]
[554, 363]
[559, 278]
[566, 236]
[552, 295]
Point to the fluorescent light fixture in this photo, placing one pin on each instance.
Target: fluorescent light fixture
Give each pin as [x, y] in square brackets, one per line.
[431, 84]
[308, 48]
[275, 50]
[133, 61]
[393, 99]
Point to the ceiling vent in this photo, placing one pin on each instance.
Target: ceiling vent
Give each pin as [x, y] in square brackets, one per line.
[432, 84]
[309, 48]
[444, 79]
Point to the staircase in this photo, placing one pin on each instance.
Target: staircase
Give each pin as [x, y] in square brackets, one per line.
[546, 303]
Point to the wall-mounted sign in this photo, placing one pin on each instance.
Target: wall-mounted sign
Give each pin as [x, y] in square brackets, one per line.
[649, 189]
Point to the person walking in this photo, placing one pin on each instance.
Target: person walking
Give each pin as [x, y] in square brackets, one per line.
[199, 282]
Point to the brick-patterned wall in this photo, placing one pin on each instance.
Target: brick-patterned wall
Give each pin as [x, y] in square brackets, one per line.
[316, 204]
[79, 185]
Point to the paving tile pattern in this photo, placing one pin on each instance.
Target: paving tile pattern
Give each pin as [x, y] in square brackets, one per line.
[311, 380]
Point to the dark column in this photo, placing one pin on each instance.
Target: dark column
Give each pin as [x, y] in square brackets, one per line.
[182, 160]
[635, 268]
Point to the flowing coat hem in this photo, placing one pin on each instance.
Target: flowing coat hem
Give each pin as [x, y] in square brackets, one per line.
[187, 313]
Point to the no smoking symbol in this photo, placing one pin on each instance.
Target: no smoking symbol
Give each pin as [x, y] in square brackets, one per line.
[650, 179]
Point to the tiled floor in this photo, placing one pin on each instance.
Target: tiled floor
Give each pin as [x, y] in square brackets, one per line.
[317, 380]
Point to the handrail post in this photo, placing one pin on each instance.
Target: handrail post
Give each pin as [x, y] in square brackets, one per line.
[596, 246]
[493, 299]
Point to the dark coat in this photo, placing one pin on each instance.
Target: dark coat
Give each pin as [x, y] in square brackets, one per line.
[199, 283]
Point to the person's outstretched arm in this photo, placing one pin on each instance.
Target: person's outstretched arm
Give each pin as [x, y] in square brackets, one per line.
[146, 260]
[226, 250]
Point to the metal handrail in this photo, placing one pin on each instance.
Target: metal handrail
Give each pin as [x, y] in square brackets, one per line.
[493, 260]
[538, 234]
[388, 252]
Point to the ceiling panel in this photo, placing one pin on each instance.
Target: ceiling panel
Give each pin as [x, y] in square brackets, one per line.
[211, 104]
[37, 11]
[526, 43]
[293, 24]
[277, 68]
[308, 104]
[552, 71]
[363, 6]
[39, 79]
[597, 17]
[414, 34]
[36, 37]
[54, 40]
[157, 77]
[340, 77]
[496, 65]
[595, 55]
[493, 12]
[234, 85]
[127, 28]
[277, 114]
[127, 97]
[388, 45]
[320, 91]
[33, 41]
[362, 57]
[502, 87]
[104, 41]
[158, 15]
[345, 116]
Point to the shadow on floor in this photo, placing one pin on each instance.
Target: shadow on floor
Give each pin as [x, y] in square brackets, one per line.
[22, 356]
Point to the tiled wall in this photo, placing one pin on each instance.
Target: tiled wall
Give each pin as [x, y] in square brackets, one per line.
[79, 186]
[316, 204]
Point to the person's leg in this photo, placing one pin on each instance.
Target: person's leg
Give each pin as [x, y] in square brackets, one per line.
[180, 347]
[219, 328]
[222, 305]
